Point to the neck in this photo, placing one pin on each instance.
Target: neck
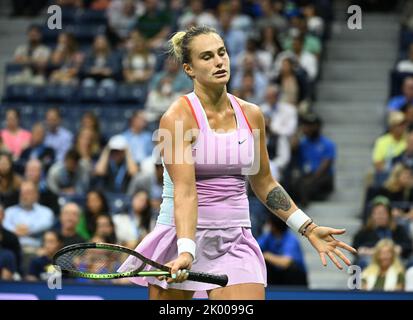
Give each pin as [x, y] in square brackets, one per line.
[217, 99]
[68, 232]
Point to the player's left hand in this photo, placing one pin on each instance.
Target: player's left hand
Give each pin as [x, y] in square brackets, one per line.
[322, 239]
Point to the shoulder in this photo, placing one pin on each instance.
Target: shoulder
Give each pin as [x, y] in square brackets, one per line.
[252, 112]
[179, 110]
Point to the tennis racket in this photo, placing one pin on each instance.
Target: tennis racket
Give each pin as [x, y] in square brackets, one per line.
[103, 260]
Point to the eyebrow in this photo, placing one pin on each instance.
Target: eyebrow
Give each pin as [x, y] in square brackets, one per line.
[209, 52]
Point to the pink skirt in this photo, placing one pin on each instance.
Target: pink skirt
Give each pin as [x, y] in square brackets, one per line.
[232, 251]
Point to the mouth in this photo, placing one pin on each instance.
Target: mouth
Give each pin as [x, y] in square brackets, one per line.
[220, 72]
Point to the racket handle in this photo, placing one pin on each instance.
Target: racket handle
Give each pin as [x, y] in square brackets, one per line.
[219, 279]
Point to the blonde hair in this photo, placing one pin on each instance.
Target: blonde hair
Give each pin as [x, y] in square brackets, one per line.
[179, 43]
[392, 183]
[373, 269]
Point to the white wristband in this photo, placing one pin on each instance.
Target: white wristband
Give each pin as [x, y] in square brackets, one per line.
[186, 245]
[297, 219]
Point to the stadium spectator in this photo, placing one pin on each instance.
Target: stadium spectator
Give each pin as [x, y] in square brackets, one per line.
[407, 109]
[34, 57]
[66, 60]
[70, 177]
[101, 65]
[388, 146]
[385, 272]
[271, 15]
[260, 81]
[69, 219]
[397, 102]
[279, 150]
[293, 84]
[171, 69]
[122, 15]
[36, 149]
[154, 24]
[34, 172]
[234, 39]
[268, 41]
[14, 137]
[315, 24]
[116, 166]
[96, 205]
[195, 15]
[91, 121]
[399, 186]
[8, 264]
[283, 256]
[380, 225]
[139, 63]
[133, 226]
[41, 267]
[57, 137]
[283, 115]
[87, 147]
[240, 21]
[9, 181]
[28, 220]
[263, 59]
[138, 139]
[105, 229]
[248, 90]
[316, 157]
[406, 65]
[9, 241]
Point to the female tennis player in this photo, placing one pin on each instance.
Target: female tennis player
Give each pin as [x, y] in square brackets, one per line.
[204, 222]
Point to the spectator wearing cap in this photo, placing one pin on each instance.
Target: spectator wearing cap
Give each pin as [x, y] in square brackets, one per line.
[116, 166]
[28, 220]
[389, 145]
[70, 177]
[406, 65]
[316, 156]
[138, 139]
[397, 102]
[380, 225]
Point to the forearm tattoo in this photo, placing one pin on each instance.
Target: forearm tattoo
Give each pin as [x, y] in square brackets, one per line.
[278, 199]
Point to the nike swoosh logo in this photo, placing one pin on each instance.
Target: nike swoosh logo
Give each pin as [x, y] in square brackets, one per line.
[239, 142]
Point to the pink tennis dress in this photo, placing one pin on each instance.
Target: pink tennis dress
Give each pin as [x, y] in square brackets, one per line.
[225, 244]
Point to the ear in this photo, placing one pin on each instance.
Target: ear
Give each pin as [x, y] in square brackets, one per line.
[188, 70]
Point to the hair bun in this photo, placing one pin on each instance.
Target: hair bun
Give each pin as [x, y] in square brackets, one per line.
[175, 44]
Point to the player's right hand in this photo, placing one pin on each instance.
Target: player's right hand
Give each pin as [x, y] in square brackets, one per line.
[179, 268]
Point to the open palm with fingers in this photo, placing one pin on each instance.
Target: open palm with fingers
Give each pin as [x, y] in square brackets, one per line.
[322, 239]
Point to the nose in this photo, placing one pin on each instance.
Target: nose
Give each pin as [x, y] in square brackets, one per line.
[218, 61]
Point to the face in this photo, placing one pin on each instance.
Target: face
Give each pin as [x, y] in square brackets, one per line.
[248, 83]
[138, 122]
[69, 216]
[94, 203]
[34, 35]
[88, 121]
[271, 95]
[51, 243]
[297, 45]
[33, 171]
[286, 66]
[5, 165]
[28, 194]
[380, 216]
[100, 43]
[52, 119]
[12, 120]
[208, 56]
[38, 134]
[399, 129]
[406, 178]
[385, 257]
[71, 165]
[103, 226]
[408, 88]
[139, 201]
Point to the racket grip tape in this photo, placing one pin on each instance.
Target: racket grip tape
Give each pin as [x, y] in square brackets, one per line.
[219, 279]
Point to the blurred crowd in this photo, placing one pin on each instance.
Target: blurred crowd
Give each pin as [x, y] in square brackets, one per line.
[81, 105]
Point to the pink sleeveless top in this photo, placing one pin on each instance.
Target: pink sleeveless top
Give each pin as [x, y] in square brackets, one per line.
[221, 164]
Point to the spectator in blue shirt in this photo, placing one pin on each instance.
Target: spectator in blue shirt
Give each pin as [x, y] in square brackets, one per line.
[28, 220]
[57, 137]
[316, 156]
[398, 102]
[283, 256]
[138, 139]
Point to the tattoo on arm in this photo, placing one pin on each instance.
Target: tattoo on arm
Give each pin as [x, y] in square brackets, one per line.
[278, 199]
